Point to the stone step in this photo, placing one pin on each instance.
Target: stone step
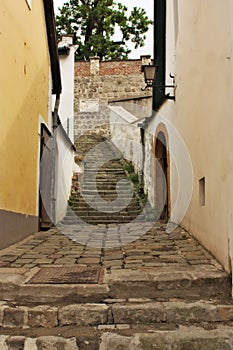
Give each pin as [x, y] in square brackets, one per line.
[105, 187]
[104, 171]
[118, 337]
[98, 181]
[191, 338]
[111, 178]
[102, 220]
[159, 284]
[108, 193]
[81, 202]
[90, 213]
[114, 312]
[163, 283]
[84, 208]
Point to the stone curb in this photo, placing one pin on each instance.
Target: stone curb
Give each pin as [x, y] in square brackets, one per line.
[41, 343]
[105, 315]
[192, 338]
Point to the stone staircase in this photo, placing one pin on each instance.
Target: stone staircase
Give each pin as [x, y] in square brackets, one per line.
[181, 301]
[103, 194]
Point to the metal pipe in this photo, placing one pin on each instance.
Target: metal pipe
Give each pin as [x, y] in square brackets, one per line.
[53, 160]
[159, 52]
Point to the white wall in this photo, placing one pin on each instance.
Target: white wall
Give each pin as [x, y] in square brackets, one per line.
[66, 108]
[66, 111]
[125, 135]
[65, 155]
[64, 172]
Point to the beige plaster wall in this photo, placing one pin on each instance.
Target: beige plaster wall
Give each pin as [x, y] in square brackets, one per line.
[24, 77]
[203, 115]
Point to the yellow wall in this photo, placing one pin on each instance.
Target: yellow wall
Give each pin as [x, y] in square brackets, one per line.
[24, 78]
[203, 115]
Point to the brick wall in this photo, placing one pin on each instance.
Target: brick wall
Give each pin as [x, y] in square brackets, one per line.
[99, 83]
[82, 68]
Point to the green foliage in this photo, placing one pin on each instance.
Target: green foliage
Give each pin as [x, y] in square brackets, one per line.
[93, 24]
[134, 178]
[129, 167]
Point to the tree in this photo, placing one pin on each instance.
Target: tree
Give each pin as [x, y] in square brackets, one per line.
[93, 24]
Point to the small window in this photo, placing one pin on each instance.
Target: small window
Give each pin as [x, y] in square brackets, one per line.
[202, 192]
[29, 3]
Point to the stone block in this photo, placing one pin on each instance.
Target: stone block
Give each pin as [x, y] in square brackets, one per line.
[42, 316]
[207, 343]
[30, 344]
[138, 313]
[150, 342]
[3, 345]
[114, 342]
[225, 312]
[182, 313]
[83, 315]
[13, 317]
[56, 343]
[15, 343]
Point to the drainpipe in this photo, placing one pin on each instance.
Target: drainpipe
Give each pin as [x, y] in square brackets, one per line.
[53, 160]
[159, 52]
[142, 133]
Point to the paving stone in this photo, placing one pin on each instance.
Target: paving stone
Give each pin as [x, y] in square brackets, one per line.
[24, 261]
[15, 343]
[31, 256]
[8, 258]
[65, 261]
[113, 257]
[30, 265]
[112, 262]
[106, 327]
[44, 261]
[3, 344]
[56, 343]
[114, 342]
[198, 262]
[30, 344]
[88, 260]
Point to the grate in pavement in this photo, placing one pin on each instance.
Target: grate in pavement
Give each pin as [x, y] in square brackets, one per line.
[68, 275]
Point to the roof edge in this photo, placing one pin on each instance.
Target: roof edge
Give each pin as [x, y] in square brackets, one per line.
[52, 43]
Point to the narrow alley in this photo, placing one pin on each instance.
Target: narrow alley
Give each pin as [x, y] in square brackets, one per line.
[118, 281]
[116, 208]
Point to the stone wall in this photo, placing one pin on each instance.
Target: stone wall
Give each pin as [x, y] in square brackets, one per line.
[99, 83]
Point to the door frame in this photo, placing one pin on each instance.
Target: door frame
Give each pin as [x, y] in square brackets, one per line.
[161, 129]
[44, 219]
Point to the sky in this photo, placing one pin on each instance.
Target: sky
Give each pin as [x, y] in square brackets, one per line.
[148, 5]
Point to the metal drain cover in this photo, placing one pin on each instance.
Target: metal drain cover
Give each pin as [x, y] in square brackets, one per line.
[68, 275]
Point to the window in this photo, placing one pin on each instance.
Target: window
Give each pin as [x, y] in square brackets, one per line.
[202, 192]
[29, 3]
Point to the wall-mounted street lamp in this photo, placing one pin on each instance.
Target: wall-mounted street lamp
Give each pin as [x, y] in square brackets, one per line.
[150, 72]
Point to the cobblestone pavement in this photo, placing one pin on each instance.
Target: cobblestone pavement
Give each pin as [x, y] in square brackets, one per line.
[111, 246]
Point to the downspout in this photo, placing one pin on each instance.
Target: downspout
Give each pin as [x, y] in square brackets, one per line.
[142, 134]
[159, 52]
[53, 160]
[56, 90]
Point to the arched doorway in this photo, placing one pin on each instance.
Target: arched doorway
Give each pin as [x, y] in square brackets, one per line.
[162, 176]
